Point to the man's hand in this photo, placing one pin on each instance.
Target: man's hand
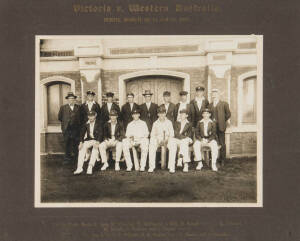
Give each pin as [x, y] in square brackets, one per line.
[80, 146]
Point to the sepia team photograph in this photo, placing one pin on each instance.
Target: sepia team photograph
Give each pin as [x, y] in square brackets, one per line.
[148, 121]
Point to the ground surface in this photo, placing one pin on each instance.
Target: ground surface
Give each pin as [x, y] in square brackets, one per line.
[235, 182]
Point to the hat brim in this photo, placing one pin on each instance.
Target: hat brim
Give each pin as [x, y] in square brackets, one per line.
[69, 96]
[148, 94]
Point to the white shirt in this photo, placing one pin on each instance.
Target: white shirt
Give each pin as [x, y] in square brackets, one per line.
[167, 106]
[216, 101]
[199, 102]
[109, 106]
[72, 107]
[92, 125]
[137, 129]
[131, 106]
[181, 107]
[182, 125]
[148, 105]
[90, 104]
[161, 127]
[113, 128]
[206, 125]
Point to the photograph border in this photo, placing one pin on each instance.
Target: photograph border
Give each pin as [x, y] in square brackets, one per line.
[37, 164]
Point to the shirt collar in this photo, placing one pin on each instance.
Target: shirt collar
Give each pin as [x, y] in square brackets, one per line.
[183, 102]
[88, 102]
[199, 99]
[209, 120]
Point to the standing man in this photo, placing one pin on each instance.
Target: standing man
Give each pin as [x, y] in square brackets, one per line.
[220, 114]
[148, 110]
[108, 106]
[136, 135]
[206, 135]
[90, 136]
[183, 138]
[113, 135]
[199, 104]
[69, 116]
[127, 109]
[183, 105]
[89, 105]
[170, 107]
[162, 134]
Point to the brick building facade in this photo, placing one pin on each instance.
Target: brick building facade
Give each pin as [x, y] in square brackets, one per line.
[135, 63]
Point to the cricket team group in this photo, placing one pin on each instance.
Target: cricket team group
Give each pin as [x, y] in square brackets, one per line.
[89, 131]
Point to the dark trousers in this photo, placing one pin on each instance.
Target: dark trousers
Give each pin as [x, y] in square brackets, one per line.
[221, 137]
[71, 139]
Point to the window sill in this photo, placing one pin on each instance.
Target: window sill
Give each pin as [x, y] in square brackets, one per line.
[242, 128]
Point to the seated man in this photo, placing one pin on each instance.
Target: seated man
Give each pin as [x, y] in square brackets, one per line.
[162, 134]
[136, 135]
[90, 136]
[113, 134]
[205, 134]
[183, 137]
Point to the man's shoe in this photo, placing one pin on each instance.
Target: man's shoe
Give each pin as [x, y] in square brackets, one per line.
[199, 166]
[104, 167]
[89, 170]
[117, 167]
[150, 170]
[78, 171]
[179, 162]
[186, 167]
[214, 168]
[172, 171]
[129, 169]
[142, 169]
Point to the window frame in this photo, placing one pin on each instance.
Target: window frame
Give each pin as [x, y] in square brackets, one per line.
[241, 125]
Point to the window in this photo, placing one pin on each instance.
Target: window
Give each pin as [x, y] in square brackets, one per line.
[56, 93]
[249, 100]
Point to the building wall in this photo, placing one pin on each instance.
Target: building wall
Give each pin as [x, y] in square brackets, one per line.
[111, 61]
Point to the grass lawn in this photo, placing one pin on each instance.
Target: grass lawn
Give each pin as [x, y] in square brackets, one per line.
[235, 182]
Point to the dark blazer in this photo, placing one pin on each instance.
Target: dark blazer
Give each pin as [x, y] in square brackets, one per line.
[69, 117]
[97, 133]
[197, 113]
[84, 109]
[170, 112]
[190, 112]
[126, 113]
[220, 114]
[211, 131]
[119, 131]
[149, 116]
[186, 132]
[105, 114]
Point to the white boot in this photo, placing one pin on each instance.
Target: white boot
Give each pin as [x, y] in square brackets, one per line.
[214, 167]
[117, 167]
[179, 162]
[89, 170]
[172, 170]
[199, 166]
[78, 171]
[104, 167]
[185, 167]
[129, 169]
[150, 170]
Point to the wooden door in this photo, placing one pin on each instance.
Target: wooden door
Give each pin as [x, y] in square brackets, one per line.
[157, 85]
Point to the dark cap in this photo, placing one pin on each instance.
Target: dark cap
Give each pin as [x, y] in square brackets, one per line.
[70, 94]
[89, 92]
[110, 94]
[136, 111]
[130, 95]
[200, 88]
[206, 110]
[113, 113]
[167, 93]
[161, 110]
[147, 92]
[183, 111]
[91, 113]
[183, 92]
